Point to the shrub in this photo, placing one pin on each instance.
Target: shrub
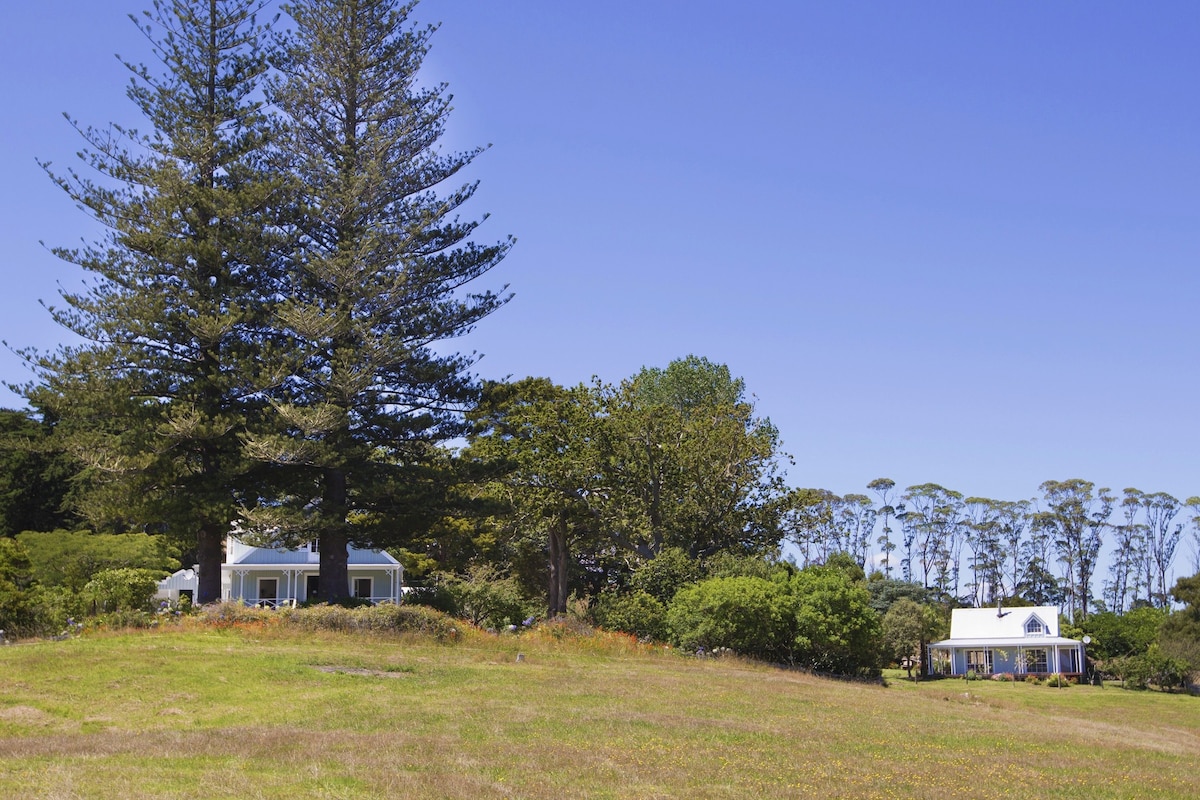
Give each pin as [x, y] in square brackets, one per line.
[665, 574]
[57, 607]
[639, 613]
[837, 630]
[126, 618]
[486, 597]
[751, 616]
[124, 589]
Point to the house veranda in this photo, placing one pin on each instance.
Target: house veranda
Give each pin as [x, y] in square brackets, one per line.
[1018, 641]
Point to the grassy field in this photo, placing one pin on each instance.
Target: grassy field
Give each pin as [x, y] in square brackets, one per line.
[266, 712]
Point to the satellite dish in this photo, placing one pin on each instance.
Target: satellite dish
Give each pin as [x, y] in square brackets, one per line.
[1087, 640]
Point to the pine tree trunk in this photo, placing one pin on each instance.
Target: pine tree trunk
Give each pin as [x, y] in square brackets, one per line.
[335, 558]
[209, 557]
[334, 584]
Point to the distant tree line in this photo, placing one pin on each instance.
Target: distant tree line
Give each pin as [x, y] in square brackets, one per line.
[976, 551]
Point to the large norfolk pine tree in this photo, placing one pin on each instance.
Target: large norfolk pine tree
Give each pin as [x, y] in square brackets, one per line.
[167, 379]
[379, 267]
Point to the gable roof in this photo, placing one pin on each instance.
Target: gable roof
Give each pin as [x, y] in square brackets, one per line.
[1008, 623]
[238, 552]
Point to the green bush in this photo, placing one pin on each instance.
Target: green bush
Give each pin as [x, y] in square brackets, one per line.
[639, 613]
[751, 616]
[487, 598]
[837, 630]
[124, 589]
[665, 574]
[58, 609]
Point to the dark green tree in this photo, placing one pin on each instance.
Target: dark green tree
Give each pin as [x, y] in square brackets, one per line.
[541, 439]
[35, 475]
[1179, 636]
[1162, 539]
[167, 380]
[836, 628]
[18, 614]
[377, 280]
[688, 462]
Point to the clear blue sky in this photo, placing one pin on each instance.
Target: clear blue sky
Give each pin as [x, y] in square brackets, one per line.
[949, 242]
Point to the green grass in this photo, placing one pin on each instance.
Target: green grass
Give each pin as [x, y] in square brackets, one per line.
[265, 712]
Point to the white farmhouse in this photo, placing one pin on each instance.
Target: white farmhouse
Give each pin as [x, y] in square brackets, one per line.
[1020, 641]
[276, 577]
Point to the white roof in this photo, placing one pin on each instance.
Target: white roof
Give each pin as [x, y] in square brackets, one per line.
[183, 579]
[1004, 623]
[239, 553]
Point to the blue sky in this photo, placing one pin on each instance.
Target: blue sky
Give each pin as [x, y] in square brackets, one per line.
[948, 242]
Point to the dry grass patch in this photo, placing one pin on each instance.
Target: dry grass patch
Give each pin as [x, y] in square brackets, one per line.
[266, 712]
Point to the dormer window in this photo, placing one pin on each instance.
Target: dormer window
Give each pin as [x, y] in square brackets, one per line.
[1035, 627]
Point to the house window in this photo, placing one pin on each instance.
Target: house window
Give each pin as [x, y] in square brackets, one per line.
[312, 546]
[362, 588]
[268, 588]
[979, 662]
[1035, 660]
[1034, 627]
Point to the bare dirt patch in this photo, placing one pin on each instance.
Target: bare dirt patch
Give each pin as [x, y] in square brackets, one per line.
[373, 673]
[26, 715]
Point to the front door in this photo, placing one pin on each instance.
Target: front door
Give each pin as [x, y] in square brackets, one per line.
[310, 587]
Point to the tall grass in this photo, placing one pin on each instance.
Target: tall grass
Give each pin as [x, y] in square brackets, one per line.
[262, 707]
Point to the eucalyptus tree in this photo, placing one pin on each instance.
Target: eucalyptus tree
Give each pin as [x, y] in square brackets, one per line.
[883, 488]
[1037, 583]
[933, 522]
[172, 364]
[821, 523]
[1162, 539]
[377, 279]
[806, 520]
[987, 555]
[858, 521]
[1193, 505]
[1121, 590]
[1012, 521]
[1076, 515]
